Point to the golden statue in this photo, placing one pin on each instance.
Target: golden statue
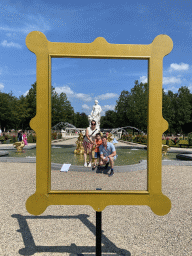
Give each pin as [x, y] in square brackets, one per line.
[79, 149]
[109, 139]
[19, 145]
[165, 148]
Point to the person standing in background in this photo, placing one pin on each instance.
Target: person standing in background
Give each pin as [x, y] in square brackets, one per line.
[25, 138]
[19, 135]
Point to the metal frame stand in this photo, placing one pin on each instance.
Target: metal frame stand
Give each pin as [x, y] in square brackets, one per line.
[98, 233]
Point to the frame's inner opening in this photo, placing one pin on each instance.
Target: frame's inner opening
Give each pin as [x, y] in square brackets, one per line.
[121, 88]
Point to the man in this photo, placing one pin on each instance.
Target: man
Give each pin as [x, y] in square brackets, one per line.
[19, 135]
[107, 154]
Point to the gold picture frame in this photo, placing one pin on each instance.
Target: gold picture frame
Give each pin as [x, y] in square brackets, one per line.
[41, 123]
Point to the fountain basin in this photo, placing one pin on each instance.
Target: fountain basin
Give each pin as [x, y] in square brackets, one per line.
[65, 154]
[4, 153]
[185, 156]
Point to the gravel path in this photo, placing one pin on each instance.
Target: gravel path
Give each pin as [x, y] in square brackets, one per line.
[70, 230]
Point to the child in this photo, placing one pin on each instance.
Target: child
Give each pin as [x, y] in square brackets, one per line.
[98, 142]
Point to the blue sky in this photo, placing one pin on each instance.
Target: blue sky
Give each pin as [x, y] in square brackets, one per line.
[119, 22]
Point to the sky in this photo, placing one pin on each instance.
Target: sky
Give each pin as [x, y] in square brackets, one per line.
[119, 22]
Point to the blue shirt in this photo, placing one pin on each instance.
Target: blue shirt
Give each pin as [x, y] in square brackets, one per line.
[107, 151]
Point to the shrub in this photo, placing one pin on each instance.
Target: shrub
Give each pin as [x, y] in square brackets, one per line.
[13, 139]
[127, 137]
[140, 139]
[31, 138]
[167, 141]
[53, 136]
[183, 142]
[171, 143]
[59, 135]
[190, 138]
[175, 140]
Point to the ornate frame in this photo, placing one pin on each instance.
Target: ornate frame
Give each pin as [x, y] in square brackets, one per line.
[41, 123]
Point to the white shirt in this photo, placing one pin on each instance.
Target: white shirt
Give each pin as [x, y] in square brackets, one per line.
[90, 131]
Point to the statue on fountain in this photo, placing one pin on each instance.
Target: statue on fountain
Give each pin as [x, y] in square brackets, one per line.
[95, 115]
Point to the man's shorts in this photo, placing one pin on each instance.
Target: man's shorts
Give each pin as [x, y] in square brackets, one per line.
[97, 154]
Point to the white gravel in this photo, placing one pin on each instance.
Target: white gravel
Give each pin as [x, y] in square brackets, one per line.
[70, 230]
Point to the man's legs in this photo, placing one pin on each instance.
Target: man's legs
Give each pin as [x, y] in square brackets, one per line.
[111, 160]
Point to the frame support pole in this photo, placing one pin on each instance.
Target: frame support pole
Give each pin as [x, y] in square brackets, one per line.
[98, 233]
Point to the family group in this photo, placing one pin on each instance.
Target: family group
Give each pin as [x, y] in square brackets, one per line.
[105, 151]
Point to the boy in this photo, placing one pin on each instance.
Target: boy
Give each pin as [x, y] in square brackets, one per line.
[98, 142]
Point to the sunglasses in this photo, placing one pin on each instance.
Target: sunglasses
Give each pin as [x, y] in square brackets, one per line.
[93, 124]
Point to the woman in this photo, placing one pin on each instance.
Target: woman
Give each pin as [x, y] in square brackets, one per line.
[89, 141]
[25, 138]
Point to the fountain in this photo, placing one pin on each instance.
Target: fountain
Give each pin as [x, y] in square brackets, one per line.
[127, 155]
[79, 149]
[19, 146]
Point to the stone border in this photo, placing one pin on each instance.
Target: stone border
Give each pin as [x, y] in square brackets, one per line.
[142, 165]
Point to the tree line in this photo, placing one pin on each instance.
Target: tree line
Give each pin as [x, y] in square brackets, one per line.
[16, 113]
[132, 107]
[130, 110]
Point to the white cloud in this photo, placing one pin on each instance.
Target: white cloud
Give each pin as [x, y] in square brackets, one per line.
[86, 107]
[11, 44]
[107, 96]
[179, 67]
[171, 80]
[65, 89]
[190, 87]
[1, 87]
[82, 96]
[171, 88]
[71, 94]
[25, 94]
[108, 107]
[143, 79]
[28, 23]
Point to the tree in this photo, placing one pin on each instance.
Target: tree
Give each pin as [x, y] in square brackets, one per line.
[138, 107]
[81, 120]
[183, 116]
[109, 120]
[177, 110]
[21, 114]
[62, 111]
[30, 103]
[121, 109]
[169, 110]
[132, 107]
[7, 110]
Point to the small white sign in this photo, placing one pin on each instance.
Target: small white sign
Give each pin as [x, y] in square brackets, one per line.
[65, 167]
